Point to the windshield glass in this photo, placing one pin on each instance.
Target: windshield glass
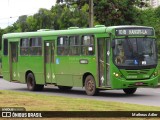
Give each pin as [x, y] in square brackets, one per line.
[134, 52]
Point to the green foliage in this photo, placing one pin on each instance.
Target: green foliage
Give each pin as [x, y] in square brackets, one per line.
[42, 102]
[79, 3]
[44, 19]
[21, 23]
[64, 16]
[31, 23]
[73, 17]
[115, 12]
[150, 17]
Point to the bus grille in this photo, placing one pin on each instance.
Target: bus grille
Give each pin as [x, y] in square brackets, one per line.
[135, 72]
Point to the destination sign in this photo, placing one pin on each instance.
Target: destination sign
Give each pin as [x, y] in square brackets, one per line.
[134, 31]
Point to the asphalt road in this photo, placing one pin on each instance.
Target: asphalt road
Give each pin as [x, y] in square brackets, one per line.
[144, 96]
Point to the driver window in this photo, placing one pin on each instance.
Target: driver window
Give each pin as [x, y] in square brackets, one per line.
[119, 51]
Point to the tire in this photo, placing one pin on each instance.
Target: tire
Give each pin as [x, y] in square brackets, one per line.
[130, 91]
[90, 86]
[31, 83]
[64, 88]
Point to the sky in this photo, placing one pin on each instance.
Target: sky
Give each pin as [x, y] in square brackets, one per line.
[10, 10]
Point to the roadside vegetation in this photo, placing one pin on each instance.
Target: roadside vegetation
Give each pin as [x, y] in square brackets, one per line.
[39, 102]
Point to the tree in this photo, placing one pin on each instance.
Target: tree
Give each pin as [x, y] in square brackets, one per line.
[22, 24]
[116, 12]
[157, 27]
[79, 3]
[57, 11]
[65, 16]
[31, 23]
[73, 17]
[44, 19]
[110, 12]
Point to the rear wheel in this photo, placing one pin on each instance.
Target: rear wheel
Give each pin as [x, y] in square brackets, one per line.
[90, 86]
[31, 83]
[130, 91]
[64, 88]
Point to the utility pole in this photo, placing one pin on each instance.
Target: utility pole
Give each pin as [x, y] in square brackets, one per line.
[91, 13]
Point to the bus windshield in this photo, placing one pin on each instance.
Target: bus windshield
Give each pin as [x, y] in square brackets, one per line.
[134, 52]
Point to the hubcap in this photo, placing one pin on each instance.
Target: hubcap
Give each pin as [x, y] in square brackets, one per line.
[90, 85]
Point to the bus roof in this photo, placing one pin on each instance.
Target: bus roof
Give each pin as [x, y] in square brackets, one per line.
[73, 30]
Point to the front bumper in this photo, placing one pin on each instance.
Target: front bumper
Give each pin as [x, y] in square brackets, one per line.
[121, 83]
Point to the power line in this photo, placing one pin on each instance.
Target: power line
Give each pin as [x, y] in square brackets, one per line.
[15, 16]
[4, 22]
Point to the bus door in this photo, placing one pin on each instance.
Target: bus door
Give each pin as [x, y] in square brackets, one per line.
[13, 60]
[49, 62]
[103, 61]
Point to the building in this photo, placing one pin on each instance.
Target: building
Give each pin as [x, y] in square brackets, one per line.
[154, 3]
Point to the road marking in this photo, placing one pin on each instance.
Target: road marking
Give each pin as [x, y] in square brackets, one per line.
[102, 79]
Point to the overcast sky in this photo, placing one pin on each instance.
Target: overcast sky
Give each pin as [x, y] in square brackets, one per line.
[11, 9]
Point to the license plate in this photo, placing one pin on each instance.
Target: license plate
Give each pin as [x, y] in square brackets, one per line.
[139, 83]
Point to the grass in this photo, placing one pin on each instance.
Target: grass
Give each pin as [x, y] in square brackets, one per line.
[39, 102]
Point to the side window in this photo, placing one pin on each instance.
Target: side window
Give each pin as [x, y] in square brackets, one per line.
[36, 46]
[24, 46]
[74, 45]
[14, 52]
[5, 47]
[63, 45]
[87, 45]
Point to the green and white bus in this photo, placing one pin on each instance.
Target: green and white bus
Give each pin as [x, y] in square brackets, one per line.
[99, 58]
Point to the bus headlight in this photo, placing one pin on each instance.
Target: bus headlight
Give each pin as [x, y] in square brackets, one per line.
[116, 74]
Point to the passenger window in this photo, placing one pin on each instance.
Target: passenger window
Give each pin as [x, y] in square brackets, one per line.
[24, 46]
[5, 47]
[63, 45]
[87, 45]
[14, 52]
[74, 45]
[36, 46]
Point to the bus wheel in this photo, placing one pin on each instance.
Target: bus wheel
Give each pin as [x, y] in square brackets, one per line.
[64, 88]
[31, 84]
[130, 91]
[90, 86]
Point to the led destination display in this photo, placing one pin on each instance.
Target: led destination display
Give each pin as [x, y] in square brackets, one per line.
[134, 31]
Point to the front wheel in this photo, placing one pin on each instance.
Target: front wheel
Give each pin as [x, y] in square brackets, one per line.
[31, 83]
[130, 91]
[90, 86]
